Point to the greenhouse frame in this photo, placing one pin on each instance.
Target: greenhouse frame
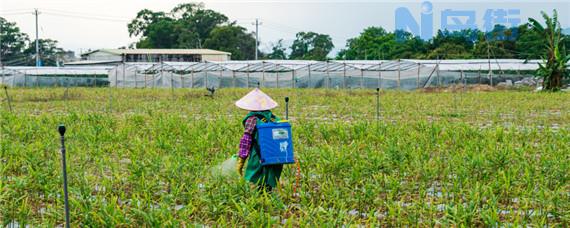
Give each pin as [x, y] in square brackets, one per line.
[404, 74]
[91, 76]
[398, 74]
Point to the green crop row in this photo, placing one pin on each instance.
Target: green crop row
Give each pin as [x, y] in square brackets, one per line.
[144, 158]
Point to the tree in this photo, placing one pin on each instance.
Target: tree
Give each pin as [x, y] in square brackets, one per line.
[144, 19]
[186, 26]
[311, 46]
[372, 43]
[465, 38]
[17, 49]
[160, 34]
[553, 70]
[198, 19]
[234, 39]
[12, 43]
[278, 51]
[529, 43]
[376, 43]
[50, 53]
[453, 45]
[450, 51]
[499, 43]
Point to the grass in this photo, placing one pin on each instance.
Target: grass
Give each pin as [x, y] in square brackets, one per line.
[141, 157]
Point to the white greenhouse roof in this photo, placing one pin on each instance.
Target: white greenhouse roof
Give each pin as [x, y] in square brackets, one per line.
[340, 65]
[88, 70]
[289, 65]
[480, 64]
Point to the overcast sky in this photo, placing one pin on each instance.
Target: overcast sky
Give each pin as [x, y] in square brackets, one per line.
[79, 25]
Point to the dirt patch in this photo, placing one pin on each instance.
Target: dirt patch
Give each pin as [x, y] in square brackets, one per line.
[482, 88]
[459, 88]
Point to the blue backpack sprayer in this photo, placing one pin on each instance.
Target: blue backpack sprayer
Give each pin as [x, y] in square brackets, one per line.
[276, 143]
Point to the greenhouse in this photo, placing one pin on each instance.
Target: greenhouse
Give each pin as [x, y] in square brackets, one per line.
[89, 76]
[398, 74]
[404, 74]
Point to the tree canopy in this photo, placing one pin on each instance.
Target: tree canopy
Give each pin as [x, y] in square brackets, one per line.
[311, 46]
[50, 53]
[520, 42]
[190, 25]
[185, 26]
[13, 42]
[233, 39]
[278, 51]
[17, 49]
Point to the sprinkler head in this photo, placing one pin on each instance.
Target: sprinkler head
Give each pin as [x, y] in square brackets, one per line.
[61, 129]
[286, 99]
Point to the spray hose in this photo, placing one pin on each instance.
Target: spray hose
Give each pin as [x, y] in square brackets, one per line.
[297, 177]
[298, 171]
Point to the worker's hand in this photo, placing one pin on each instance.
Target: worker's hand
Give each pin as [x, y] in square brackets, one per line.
[240, 164]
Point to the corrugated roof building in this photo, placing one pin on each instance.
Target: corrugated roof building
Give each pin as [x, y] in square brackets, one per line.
[115, 56]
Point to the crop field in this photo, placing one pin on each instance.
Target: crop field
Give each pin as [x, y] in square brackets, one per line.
[144, 157]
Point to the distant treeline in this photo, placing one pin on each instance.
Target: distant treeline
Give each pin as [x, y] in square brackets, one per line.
[191, 25]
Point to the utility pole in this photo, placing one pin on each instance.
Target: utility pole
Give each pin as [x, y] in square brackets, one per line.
[257, 24]
[37, 40]
[489, 61]
[1, 65]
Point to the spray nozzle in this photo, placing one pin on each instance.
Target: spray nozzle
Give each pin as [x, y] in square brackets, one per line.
[61, 129]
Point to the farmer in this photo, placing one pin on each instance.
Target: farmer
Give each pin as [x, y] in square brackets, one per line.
[259, 105]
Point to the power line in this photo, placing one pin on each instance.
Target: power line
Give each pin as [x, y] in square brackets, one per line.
[281, 30]
[16, 10]
[85, 17]
[297, 30]
[245, 19]
[89, 15]
[286, 26]
[14, 14]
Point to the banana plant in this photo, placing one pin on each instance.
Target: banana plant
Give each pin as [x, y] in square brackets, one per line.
[553, 70]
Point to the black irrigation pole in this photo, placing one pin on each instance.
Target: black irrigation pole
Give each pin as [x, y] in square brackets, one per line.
[61, 130]
[8, 98]
[287, 108]
[377, 104]
[110, 100]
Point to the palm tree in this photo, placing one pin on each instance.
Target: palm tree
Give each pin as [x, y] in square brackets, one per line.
[553, 71]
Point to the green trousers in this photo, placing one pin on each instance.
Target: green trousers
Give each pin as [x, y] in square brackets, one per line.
[263, 176]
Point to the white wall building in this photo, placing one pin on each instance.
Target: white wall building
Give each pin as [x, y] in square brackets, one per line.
[115, 56]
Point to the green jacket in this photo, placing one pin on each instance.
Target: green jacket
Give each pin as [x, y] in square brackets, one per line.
[255, 172]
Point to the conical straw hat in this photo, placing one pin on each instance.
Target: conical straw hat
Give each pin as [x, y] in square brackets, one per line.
[256, 101]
